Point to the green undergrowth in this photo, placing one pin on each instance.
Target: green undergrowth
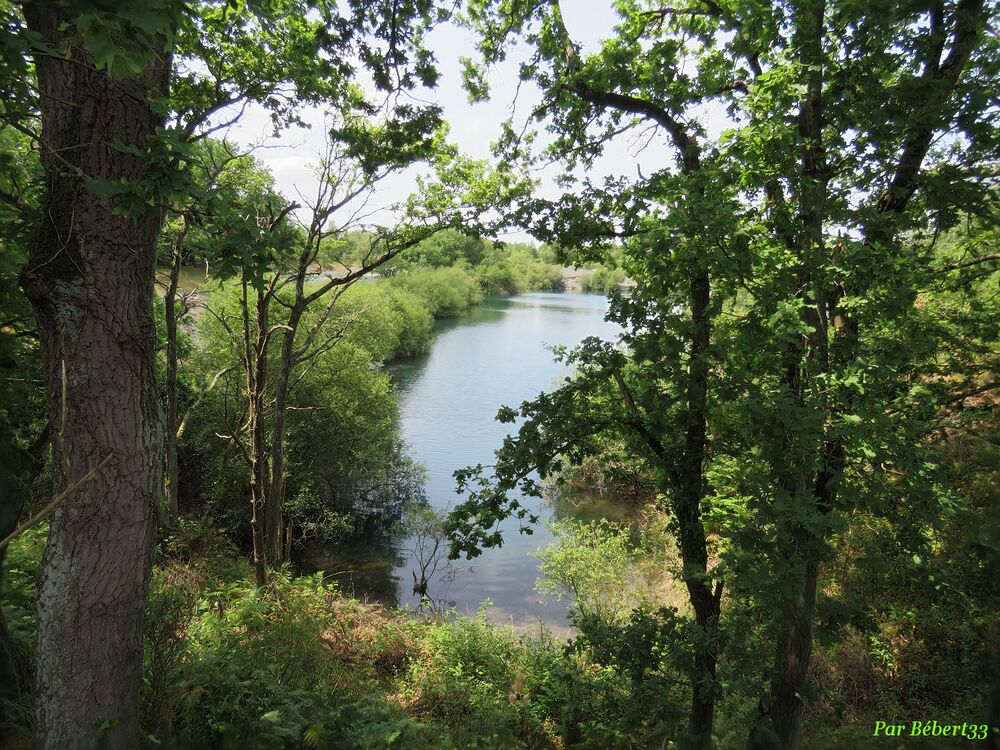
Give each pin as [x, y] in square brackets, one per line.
[299, 664]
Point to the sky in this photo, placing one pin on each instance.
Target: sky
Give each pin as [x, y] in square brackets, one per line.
[473, 126]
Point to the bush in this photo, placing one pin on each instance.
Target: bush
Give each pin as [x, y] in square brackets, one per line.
[609, 570]
[471, 677]
[514, 269]
[287, 666]
[604, 280]
[447, 292]
[417, 323]
[648, 660]
[570, 697]
[497, 278]
[385, 320]
[593, 564]
[534, 275]
[340, 429]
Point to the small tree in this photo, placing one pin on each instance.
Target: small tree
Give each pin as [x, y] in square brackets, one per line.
[288, 302]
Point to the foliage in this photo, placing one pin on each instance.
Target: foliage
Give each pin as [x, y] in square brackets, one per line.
[593, 562]
[796, 327]
[262, 667]
[341, 427]
[446, 292]
[18, 587]
[390, 321]
[447, 247]
[804, 389]
[500, 268]
[649, 651]
[603, 279]
[609, 569]
[17, 648]
[299, 664]
[22, 430]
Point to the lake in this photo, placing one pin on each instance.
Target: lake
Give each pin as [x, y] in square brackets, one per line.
[497, 354]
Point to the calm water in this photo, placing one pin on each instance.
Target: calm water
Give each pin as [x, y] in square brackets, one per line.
[496, 355]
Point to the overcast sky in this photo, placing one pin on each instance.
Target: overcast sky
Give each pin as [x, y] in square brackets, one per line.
[473, 126]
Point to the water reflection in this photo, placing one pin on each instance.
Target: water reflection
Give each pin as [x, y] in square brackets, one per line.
[587, 506]
[362, 562]
[498, 354]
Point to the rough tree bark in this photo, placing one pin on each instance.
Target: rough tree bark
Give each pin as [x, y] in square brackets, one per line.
[90, 281]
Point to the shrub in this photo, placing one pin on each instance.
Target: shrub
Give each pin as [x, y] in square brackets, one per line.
[288, 666]
[297, 664]
[447, 292]
[516, 269]
[534, 275]
[417, 323]
[497, 278]
[609, 569]
[384, 320]
[592, 563]
[604, 280]
[464, 678]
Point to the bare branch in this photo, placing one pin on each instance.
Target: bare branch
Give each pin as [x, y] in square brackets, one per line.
[44, 512]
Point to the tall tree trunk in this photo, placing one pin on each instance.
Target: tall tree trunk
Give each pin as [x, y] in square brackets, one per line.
[255, 351]
[791, 667]
[276, 497]
[171, 317]
[258, 486]
[274, 515]
[274, 511]
[90, 281]
[687, 507]
[795, 629]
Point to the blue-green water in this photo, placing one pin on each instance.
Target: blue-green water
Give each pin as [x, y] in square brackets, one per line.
[498, 354]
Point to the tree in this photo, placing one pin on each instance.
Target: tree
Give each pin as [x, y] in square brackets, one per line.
[446, 248]
[771, 270]
[89, 278]
[259, 230]
[287, 303]
[215, 176]
[342, 183]
[120, 93]
[575, 102]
